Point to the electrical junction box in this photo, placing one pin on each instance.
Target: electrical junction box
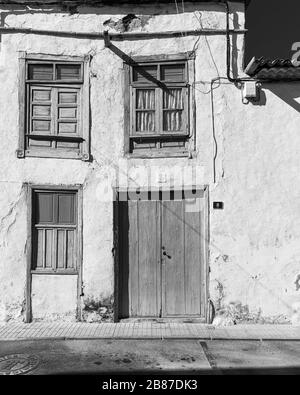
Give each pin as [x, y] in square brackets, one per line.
[250, 91]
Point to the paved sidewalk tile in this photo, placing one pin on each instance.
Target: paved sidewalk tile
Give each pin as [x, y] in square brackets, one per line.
[145, 330]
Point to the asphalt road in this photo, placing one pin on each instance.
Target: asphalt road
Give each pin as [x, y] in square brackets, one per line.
[169, 356]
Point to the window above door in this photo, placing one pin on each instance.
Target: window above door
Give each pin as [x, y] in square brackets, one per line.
[54, 107]
[159, 103]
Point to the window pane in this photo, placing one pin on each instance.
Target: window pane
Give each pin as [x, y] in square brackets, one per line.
[144, 73]
[145, 99]
[145, 121]
[68, 71]
[44, 207]
[173, 99]
[172, 120]
[66, 208]
[40, 72]
[173, 72]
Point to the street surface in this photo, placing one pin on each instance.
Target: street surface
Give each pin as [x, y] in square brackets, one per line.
[168, 356]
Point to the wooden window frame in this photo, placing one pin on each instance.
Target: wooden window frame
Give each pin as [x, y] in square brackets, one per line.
[30, 189]
[82, 85]
[190, 113]
[76, 225]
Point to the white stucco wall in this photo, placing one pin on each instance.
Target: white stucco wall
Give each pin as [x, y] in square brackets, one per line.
[254, 241]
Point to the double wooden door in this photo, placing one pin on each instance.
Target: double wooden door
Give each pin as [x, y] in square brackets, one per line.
[162, 244]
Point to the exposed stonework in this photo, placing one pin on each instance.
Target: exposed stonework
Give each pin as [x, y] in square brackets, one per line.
[235, 313]
[100, 310]
[127, 23]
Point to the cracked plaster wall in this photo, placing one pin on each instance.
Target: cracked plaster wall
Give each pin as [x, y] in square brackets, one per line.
[256, 168]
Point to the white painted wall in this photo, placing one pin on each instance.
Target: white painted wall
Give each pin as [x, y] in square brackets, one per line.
[254, 241]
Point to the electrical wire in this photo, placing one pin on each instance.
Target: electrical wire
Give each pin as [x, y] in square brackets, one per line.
[177, 10]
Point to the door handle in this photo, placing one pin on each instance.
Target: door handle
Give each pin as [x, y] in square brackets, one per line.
[165, 254]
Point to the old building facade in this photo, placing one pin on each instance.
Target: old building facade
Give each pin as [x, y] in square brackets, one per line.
[137, 178]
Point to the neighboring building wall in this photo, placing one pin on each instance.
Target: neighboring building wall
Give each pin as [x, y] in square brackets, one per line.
[254, 241]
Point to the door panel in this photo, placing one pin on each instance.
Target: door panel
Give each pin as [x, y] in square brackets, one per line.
[173, 282]
[144, 263]
[193, 263]
[181, 282]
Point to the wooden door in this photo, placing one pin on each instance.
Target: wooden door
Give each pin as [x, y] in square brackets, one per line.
[162, 261]
[181, 259]
[140, 259]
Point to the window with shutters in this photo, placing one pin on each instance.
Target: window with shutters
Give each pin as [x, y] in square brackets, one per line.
[54, 119]
[55, 230]
[158, 106]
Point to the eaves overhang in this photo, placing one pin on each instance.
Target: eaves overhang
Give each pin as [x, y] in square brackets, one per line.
[273, 69]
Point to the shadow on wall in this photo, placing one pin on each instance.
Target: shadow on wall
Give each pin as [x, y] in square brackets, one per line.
[289, 92]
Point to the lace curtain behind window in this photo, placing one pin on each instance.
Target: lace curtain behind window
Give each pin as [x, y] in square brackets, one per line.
[172, 110]
[145, 110]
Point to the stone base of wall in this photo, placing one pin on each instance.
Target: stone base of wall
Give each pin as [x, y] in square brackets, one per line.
[98, 310]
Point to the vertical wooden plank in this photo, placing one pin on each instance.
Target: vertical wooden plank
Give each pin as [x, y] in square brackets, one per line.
[22, 104]
[205, 240]
[28, 313]
[192, 104]
[123, 257]
[79, 250]
[61, 248]
[147, 259]
[173, 301]
[54, 114]
[158, 257]
[158, 111]
[193, 263]
[66, 249]
[84, 111]
[54, 255]
[127, 107]
[116, 252]
[44, 248]
[133, 99]
[133, 241]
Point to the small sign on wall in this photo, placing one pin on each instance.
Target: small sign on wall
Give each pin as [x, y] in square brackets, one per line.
[218, 205]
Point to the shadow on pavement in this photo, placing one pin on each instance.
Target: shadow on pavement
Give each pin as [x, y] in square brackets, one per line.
[229, 371]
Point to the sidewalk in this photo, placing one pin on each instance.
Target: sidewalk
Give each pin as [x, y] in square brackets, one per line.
[146, 330]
